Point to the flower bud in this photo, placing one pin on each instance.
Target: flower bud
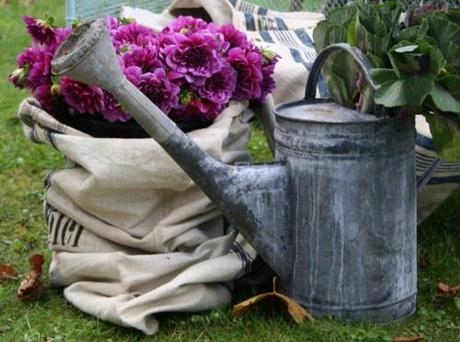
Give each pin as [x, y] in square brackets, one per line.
[268, 55]
[185, 97]
[55, 89]
[18, 77]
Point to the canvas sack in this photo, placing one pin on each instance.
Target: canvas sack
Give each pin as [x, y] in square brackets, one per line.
[131, 234]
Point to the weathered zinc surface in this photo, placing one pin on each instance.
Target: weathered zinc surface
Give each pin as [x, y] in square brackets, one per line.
[352, 190]
[334, 217]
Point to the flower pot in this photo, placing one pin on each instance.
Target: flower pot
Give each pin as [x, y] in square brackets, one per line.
[103, 129]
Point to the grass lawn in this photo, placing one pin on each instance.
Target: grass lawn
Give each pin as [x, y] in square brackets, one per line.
[23, 166]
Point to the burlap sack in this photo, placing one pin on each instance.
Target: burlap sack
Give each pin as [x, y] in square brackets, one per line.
[131, 234]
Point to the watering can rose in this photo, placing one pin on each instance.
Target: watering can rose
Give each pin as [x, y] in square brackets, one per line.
[191, 69]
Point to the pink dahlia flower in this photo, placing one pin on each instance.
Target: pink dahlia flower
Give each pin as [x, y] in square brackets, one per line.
[248, 64]
[195, 56]
[61, 34]
[36, 61]
[112, 109]
[186, 25]
[268, 83]
[85, 99]
[220, 86]
[233, 36]
[157, 86]
[197, 110]
[144, 58]
[112, 23]
[40, 31]
[133, 74]
[134, 34]
[43, 94]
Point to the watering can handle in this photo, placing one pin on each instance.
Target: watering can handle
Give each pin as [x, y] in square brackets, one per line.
[360, 58]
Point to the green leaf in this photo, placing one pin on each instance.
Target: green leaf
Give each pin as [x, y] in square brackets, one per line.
[452, 84]
[423, 59]
[443, 100]
[340, 71]
[390, 11]
[446, 136]
[410, 33]
[381, 76]
[361, 37]
[335, 28]
[446, 35]
[376, 60]
[342, 15]
[407, 48]
[407, 63]
[454, 15]
[338, 89]
[367, 100]
[376, 25]
[457, 302]
[127, 21]
[336, 34]
[451, 53]
[49, 21]
[326, 34]
[443, 30]
[351, 33]
[391, 94]
[320, 34]
[410, 92]
[368, 41]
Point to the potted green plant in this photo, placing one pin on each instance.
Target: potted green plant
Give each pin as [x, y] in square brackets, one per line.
[416, 63]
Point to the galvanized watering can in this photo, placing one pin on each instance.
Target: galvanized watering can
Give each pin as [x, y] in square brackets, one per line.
[334, 216]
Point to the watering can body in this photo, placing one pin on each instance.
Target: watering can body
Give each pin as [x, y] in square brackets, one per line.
[352, 210]
[334, 216]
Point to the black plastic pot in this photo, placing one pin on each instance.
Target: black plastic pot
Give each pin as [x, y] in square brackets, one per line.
[103, 129]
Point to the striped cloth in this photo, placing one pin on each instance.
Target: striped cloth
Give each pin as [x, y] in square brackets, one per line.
[444, 180]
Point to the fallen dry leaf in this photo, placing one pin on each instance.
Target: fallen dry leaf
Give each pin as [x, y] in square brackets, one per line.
[447, 291]
[407, 339]
[7, 272]
[297, 313]
[31, 287]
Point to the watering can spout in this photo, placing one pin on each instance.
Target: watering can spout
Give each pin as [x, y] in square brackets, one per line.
[245, 193]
